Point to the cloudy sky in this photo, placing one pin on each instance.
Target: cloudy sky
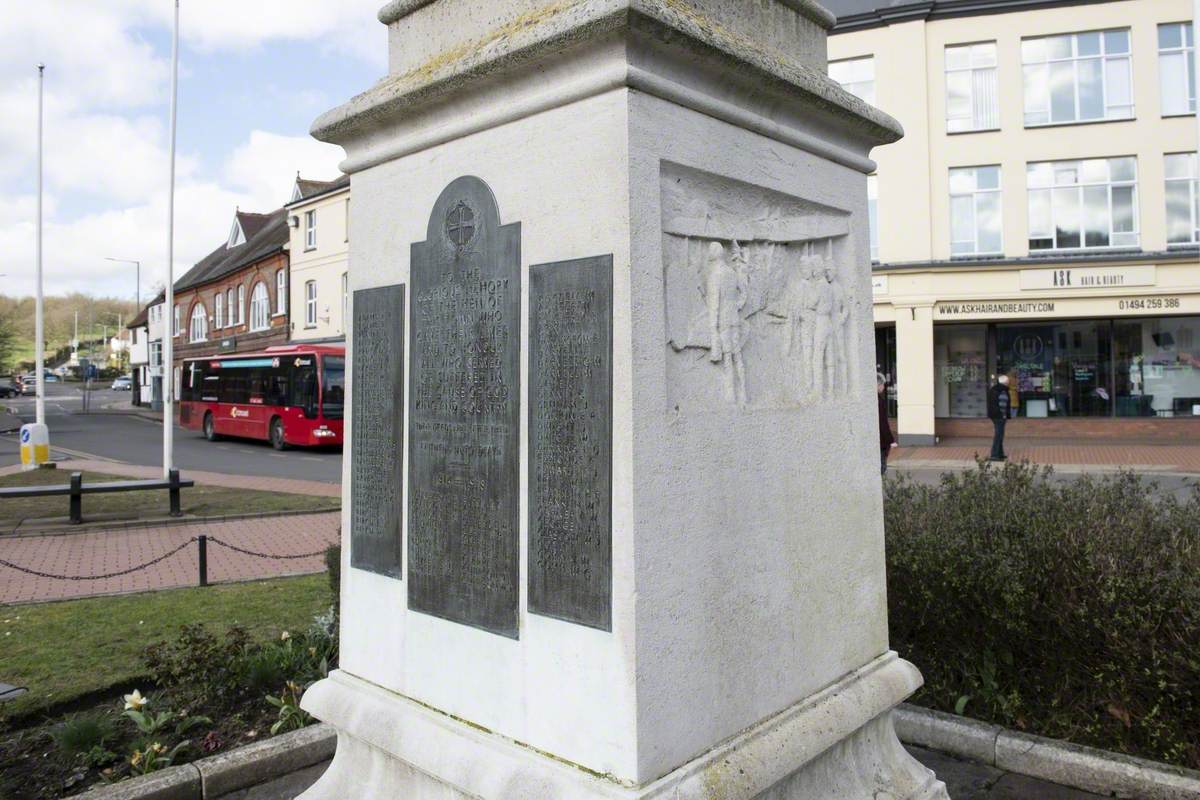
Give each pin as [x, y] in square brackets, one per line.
[253, 75]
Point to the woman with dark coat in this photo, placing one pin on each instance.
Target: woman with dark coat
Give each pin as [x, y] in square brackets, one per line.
[886, 440]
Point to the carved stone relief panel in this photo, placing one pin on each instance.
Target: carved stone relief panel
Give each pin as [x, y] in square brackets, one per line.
[757, 293]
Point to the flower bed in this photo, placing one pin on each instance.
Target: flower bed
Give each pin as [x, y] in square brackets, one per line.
[205, 692]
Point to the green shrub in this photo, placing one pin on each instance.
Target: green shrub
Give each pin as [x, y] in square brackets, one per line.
[78, 734]
[199, 666]
[1068, 609]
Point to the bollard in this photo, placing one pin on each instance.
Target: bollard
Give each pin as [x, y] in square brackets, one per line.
[76, 498]
[202, 553]
[173, 478]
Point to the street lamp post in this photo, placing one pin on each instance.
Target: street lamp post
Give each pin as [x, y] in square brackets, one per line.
[137, 292]
[169, 335]
[35, 438]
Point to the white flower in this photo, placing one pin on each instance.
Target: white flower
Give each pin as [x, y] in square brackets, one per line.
[135, 701]
[283, 637]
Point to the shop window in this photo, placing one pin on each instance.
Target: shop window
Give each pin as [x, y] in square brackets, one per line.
[885, 363]
[1183, 199]
[971, 100]
[960, 370]
[1158, 367]
[856, 76]
[1057, 369]
[1077, 77]
[1177, 68]
[975, 211]
[1079, 205]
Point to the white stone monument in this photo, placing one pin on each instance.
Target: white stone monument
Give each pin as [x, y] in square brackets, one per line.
[613, 523]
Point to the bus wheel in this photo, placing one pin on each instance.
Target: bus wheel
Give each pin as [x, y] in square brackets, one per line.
[277, 440]
[210, 428]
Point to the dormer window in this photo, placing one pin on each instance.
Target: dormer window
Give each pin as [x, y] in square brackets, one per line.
[236, 235]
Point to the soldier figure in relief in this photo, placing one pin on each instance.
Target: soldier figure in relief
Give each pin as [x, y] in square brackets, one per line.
[824, 352]
[725, 295]
[840, 313]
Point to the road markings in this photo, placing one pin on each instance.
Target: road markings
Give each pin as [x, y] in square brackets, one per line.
[86, 456]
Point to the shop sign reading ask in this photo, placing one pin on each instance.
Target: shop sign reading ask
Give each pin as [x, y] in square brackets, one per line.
[1088, 277]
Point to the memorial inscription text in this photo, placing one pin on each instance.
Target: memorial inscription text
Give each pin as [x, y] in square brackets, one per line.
[376, 455]
[464, 410]
[570, 432]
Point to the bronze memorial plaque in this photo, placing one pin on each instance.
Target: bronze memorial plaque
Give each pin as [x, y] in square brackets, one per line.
[570, 440]
[376, 454]
[464, 406]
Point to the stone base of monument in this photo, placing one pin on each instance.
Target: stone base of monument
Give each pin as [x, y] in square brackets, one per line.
[838, 744]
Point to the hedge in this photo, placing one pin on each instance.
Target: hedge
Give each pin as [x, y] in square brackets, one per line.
[1070, 609]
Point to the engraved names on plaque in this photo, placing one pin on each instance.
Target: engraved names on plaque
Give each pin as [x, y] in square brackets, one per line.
[376, 455]
[464, 413]
[570, 441]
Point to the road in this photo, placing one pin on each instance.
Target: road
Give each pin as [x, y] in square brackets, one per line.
[134, 440]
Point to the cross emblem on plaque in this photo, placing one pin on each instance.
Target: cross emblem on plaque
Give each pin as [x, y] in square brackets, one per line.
[460, 225]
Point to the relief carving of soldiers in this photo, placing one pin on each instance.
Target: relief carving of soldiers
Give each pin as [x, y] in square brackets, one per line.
[725, 291]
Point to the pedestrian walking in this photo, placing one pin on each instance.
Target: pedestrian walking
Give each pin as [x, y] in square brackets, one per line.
[998, 405]
[886, 439]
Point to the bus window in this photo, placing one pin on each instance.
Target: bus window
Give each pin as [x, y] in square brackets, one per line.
[333, 389]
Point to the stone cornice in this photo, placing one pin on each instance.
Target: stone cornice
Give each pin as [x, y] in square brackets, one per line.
[396, 10]
[574, 24]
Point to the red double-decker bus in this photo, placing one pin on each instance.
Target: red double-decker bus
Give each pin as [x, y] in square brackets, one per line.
[288, 395]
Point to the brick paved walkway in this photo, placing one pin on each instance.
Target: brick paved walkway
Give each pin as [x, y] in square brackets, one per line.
[106, 551]
[1182, 457]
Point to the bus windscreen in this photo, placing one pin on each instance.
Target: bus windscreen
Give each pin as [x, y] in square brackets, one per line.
[333, 386]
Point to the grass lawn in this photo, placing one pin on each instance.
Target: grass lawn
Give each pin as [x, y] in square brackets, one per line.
[198, 501]
[63, 651]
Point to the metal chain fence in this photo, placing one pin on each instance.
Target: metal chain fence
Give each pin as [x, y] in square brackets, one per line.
[202, 540]
[117, 574]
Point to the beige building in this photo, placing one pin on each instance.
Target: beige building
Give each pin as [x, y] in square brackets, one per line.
[1040, 216]
[319, 216]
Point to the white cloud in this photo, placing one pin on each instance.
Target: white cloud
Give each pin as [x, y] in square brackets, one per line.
[265, 166]
[106, 139]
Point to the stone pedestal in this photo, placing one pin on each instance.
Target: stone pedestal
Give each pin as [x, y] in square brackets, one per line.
[613, 522]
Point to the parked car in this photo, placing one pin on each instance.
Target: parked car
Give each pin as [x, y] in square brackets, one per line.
[9, 390]
[29, 383]
[123, 384]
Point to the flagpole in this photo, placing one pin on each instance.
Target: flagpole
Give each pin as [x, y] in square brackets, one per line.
[39, 314]
[169, 336]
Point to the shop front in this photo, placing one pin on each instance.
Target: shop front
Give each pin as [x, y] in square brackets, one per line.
[1111, 350]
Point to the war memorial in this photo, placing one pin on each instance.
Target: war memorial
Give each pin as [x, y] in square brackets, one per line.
[612, 523]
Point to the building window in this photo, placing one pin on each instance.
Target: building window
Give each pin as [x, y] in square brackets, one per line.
[310, 229]
[175, 323]
[198, 331]
[1177, 68]
[857, 76]
[1077, 77]
[1057, 369]
[219, 310]
[972, 102]
[345, 300]
[281, 292]
[873, 215]
[156, 354]
[1183, 199]
[241, 304]
[960, 370]
[1083, 204]
[1157, 374]
[260, 308]
[310, 304]
[975, 211]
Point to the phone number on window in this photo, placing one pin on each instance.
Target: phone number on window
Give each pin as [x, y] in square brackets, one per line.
[1148, 303]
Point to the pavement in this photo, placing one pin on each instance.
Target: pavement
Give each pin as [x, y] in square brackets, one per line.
[1066, 455]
